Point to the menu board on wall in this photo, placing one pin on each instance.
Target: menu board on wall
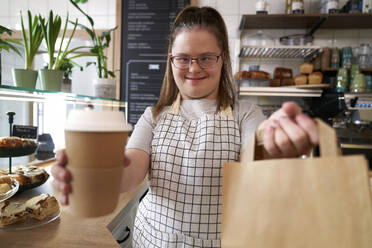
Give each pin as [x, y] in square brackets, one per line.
[145, 29]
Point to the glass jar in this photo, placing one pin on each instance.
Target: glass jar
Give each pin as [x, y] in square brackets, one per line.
[355, 69]
[298, 7]
[335, 58]
[364, 55]
[347, 55]
[328, 6]
[368, 79]
[342, 80]
[359, 84]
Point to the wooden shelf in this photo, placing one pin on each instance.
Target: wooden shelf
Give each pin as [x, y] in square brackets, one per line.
[306, 21]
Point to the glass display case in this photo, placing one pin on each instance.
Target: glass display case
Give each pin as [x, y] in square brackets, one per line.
[46, 110]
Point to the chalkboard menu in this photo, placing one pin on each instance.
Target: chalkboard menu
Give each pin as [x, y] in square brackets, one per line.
[145, 31]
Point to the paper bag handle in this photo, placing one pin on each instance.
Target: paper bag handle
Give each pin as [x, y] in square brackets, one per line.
[328, 142]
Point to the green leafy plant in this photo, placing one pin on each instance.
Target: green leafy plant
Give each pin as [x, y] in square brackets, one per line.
[51, 29]
[35, 36]
[67, 65]
[100, 43]
[8, 44]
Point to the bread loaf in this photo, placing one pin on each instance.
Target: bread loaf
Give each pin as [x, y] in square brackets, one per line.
[241, 75]
[306, 68]
[300, 79]
[274, 82]
[287, 82]
[281, 72]
[316, 78]
[259, 74]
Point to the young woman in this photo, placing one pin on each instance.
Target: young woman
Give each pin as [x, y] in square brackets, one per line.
[196, 126]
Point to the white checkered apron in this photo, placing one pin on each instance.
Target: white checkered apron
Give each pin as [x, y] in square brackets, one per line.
[183, 205]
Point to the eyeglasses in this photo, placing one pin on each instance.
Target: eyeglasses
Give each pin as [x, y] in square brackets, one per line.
[205, 62]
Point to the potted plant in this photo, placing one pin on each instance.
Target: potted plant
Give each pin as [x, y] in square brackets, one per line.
[27, 77]
[51, 78]
[66, 67]
[7, 44]
[104, 86]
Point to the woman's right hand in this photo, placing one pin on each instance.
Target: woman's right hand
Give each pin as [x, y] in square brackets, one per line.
[62, 177]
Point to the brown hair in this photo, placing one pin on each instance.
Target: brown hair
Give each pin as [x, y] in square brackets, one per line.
[205, 18]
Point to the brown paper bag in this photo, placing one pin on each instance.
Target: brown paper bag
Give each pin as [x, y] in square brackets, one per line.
[320, 202]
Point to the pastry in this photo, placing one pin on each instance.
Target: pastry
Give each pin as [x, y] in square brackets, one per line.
[38, 207]
[4, 187]
[12, 212]
[42, 206]
[316, 78]
[259, 74]
[300, 79]
[26, 175]
[241, 75]
[306, 68]
[16, 142]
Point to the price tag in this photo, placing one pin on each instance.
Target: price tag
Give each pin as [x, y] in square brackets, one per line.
[21, 131]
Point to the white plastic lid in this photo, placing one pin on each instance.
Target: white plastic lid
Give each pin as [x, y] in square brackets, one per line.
[97, 121]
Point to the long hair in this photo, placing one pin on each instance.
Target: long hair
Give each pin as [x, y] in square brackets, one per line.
[205, 18]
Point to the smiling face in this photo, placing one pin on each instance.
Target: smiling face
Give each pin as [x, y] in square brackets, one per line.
[195, 82]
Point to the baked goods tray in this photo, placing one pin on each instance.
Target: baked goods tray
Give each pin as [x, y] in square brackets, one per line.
[31, 223]
[17, 151]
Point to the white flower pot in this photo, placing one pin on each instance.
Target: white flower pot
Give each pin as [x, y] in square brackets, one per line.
[104, 87]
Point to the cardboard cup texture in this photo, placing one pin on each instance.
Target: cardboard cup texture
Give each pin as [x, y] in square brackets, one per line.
[95, 191]
[95, 143]
[95, 149]
[96, 162]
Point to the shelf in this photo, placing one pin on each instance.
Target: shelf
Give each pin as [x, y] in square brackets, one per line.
[279, 91]
[336, 69]
[306, 21]
[279, 51]
[36, 95]
[359, 95]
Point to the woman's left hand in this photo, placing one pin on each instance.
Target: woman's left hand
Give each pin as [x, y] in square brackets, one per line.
[288, 132]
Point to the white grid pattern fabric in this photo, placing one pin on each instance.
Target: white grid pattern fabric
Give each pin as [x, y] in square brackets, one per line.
[183, 205]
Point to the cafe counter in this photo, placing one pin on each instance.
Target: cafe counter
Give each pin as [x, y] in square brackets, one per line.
[68, 230]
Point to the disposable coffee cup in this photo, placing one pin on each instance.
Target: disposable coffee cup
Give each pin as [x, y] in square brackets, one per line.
[95, 143]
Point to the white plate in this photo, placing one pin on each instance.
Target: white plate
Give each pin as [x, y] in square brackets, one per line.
[31, 223]
[10, 193]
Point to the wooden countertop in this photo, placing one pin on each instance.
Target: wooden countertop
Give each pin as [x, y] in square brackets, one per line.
[68, 230]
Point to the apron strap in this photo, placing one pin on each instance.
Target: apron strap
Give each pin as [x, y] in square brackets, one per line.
[174, 109]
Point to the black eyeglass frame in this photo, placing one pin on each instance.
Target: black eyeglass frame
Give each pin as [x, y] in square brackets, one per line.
[197, 61]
